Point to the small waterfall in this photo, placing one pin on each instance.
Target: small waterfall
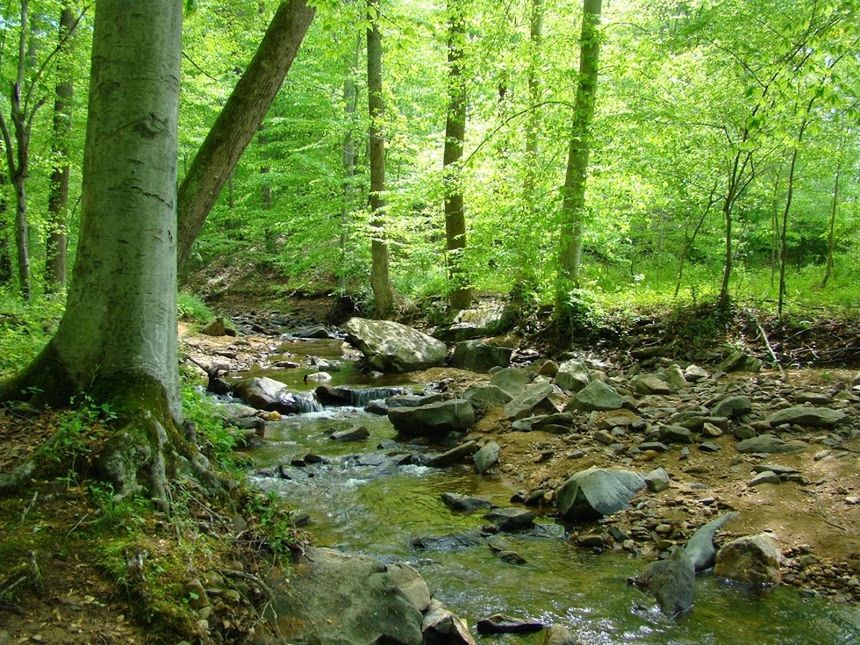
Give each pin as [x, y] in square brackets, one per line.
[357, 398]
[300, 403]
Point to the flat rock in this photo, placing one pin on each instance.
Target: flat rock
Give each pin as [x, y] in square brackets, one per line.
[456, 455]
[814, 398]
[457, 502]
[512, 380]
[675, 434]
[650, 384]
[501, 624]
[358, 433]
[709, 446]
[597, 492]
[617, 419]
[807, 416]
[768, 443]
[391, 347]
[752, 559]
[485, 397]
[479, 357]
[764, 477]
[597, 395]
[532, 400]
[511, 519]
[433, 420]
[732, 407]
[486, 457]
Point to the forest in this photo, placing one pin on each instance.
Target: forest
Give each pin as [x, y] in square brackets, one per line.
[429, 321]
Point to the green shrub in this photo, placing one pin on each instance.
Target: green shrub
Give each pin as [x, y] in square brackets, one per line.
[192, 309]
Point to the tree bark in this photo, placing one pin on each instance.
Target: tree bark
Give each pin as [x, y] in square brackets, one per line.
[5, 255]
[117, 337]
[350, 103]
[460, 295]
[573, 205]
[380, 281]
[240, 119]
[58, 197]
[834, 209]
[534, 117]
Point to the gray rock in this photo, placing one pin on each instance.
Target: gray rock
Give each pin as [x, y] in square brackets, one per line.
[700, 546]
[456, 455]
[596, 492]
[650, 384]
[480, 357]
[511, 519]
[457, 502]
[485, 397]
[775, 468]
[329, 395]
[807, 416]
[548, 368]
[413, 586]
[265, 393]
[764, 477]
[486, 457]
[358, 433]
[740, 362]
[814, 398]
[768, 443]
[533, 400]
[656, 446]
[572, 375]
[672, 581]
[441, 627]
[732, 407]
[344, 600]
[501, 624]
[657, 480]
[597, 395]
[512, 380]
[752, 559]
[709, 446]
[560, 635]
[391, 347]
[675, 434]
[694, 373]
[466, 539]
[433, 420]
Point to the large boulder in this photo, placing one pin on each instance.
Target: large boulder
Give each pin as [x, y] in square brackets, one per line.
[487, 318]
[265, 393]
[485, 397]
[597, 395]
[355, 397]
[391, 347]
[572, 375]
[597, 492]
[807, 415]
[531, 401]
[768, 443]
[348, 600]
[512, 380]
[480, 357]
[752, 559]
[433, 420]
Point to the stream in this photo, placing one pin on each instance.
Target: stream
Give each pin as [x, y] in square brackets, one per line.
[362, 501]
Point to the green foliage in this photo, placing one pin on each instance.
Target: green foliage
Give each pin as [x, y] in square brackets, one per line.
[24, 329]
[216, 439]
[191, 307]
[77, 429]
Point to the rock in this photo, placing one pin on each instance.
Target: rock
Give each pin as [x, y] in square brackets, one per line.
[650, 384]
[814, 398]
[542, 421]
[501, 624]
[329, 395]
[441, 627]
[856, 379]
[617, 419]
[232, 412]
[700, 546]
[457, 502]
[656, 446]
[764, 477]
[709, 446]
[433, 420]
[511, 519]
[740, 362]
[358, 433]
[596, 492]
[391, 347]
[597, 395]
[710, 430]
[466, 539]
[487, 318]
[752, 559]
[560, 635]
[732, 407]
[480, 357]
[311, 332]
[512, 380]
[486, 457]
[533, 400]
[674, 376]
[657, 480]
[572, 375]
[675, 434]
[268, 394]
[414, 400]
[218, 328]
[456, 455]
[511, 557]
[591, 541]
[672, 581]
[807, 416]
[548, 368]
[694, 374]
[485, 397]
[336, 598]
[768, 443]
[776, 468]
[317, 377]
[413, 586]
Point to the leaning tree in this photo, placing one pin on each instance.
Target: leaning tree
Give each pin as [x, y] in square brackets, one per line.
[117, 338]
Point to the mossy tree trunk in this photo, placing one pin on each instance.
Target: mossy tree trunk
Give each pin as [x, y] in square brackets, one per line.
[117, 338]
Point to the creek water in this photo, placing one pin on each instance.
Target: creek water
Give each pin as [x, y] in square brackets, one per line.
[361, 501]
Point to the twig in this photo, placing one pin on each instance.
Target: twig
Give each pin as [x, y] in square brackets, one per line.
[251, 578]
[29, 507]
[77, 524]
[767, 344]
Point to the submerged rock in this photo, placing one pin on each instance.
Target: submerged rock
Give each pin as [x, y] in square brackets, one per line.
[358, 433]
[672, 581]
[457, 502]
[752, 559]
[511, 519]
[501, 624]
[391, 347]
[597, 492]
[434, 420]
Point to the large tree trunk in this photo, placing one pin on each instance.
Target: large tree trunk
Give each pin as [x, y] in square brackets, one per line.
[380, 282]
[5, 255]
[117, 338]
[459, 296]
[834, 209]
[58, 197]
[240, 119]
[350, 103]
[534, 118]
[573, 205]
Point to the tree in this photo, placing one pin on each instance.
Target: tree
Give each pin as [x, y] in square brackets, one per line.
[573, 204]
[460, 295]
[380, 282]
[240, 119]
[117, 338]
[58, 198]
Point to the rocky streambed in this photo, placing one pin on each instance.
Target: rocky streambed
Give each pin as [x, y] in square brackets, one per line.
[479, 475]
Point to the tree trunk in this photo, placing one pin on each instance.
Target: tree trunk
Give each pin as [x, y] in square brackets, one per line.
[240, 119]
[5, 255]
[834, 208]
[459, 296]
[22, 232]
[573, 205]
[58, 197]
[117, 338]
[380, 281]
[534, 117]
[350, 106]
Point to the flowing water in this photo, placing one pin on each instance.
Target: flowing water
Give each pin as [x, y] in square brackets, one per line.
[363, 502]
